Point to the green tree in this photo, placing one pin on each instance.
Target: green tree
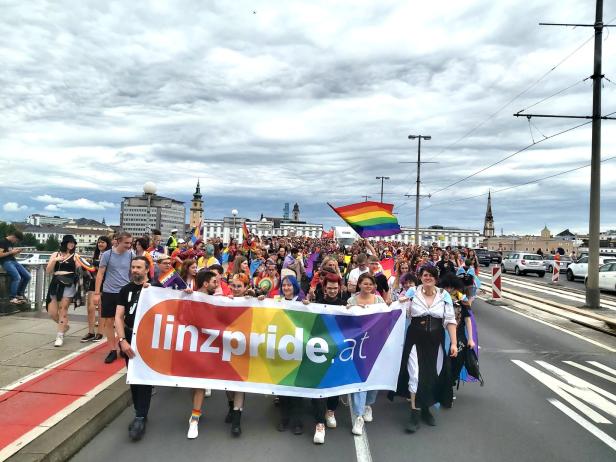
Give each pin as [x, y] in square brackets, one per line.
[6, 229]
[29, 240]
[52, 243]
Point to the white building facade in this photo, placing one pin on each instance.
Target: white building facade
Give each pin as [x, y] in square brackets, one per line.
[140, 214]
[231, 227]
[442, 235]
[85, 237]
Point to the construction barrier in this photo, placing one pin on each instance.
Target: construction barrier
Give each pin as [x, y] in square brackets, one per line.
[556, 272]
[497, 293]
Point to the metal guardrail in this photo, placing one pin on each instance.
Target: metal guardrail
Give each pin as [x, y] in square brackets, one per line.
[36, 289]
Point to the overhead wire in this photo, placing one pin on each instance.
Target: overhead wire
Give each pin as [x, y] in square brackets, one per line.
[535, 181]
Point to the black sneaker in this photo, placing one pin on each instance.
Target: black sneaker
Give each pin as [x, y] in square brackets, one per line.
[427, 417]
[87, 338]
[137, 429]
[97, 337]
[236, 429]
[111, 357]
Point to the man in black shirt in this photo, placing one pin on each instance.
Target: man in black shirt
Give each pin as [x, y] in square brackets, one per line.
[124, 323]
[20, 277]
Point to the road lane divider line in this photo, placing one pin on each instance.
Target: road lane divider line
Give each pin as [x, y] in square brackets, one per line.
[566, 392]
[554, 326]
[591, 371]
[577, 382]
[593, 429]
[603, 366]
[362, 447]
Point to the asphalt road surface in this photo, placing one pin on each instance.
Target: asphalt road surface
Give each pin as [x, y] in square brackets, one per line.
[549, 396]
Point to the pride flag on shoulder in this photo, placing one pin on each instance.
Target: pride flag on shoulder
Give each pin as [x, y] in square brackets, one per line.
[369, 219]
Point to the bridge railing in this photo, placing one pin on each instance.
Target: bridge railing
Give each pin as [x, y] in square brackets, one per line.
[36, 290]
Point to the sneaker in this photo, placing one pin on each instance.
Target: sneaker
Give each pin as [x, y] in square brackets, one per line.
[208, 392]
[193, 429]
[368, 414]
[330, 419]
[23, 300]
[87, 338]
[319, 434]
[15, 301]
[111, 357]
[59, 340]
[97, 337]
[236, 429]
[137, 429]
[358, 426]
[298, 428]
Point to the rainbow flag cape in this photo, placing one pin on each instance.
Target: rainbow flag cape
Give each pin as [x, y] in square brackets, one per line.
[197, 232]
[369, 219]
[85, 264]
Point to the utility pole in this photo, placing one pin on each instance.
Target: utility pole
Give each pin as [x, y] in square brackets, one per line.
[368, 197]
[382, 178]
[417, 194]
[594, 226]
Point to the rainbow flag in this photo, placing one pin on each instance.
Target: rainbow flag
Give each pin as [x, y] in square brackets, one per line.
[369, 219]
[172, 279]
[85, 264]
[197, 232]
[245, 232]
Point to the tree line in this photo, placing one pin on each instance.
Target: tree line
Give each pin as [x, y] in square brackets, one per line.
[51, 244]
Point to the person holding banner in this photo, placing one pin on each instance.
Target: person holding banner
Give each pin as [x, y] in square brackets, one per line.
[207, 283]
[124, 323]
[325, 408]
[423, 369]
[362, 401]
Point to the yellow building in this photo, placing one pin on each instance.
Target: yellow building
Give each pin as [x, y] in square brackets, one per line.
[545, 242]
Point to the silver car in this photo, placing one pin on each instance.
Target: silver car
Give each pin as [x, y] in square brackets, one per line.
[523, 263]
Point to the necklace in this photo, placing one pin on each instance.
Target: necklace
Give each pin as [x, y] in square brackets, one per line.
[423, 291]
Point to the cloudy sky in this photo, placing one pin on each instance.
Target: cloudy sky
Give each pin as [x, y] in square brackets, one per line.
[271, 102]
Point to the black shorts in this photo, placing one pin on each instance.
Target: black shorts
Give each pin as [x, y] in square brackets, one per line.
[109, 302]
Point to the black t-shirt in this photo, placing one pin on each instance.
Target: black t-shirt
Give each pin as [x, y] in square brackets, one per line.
[128, 298]
[6, 246]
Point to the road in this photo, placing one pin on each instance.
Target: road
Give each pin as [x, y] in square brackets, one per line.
[516, 416]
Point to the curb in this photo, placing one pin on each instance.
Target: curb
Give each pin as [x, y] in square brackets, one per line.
[67, 437]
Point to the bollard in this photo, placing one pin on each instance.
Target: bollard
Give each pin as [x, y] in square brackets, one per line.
[497, 293]
[556, 272]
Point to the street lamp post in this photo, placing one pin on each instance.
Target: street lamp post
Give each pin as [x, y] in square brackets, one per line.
[149, 189]
[419, 138]
[382, 178]
[234, 212]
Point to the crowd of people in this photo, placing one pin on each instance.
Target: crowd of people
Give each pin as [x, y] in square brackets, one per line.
[436, 286]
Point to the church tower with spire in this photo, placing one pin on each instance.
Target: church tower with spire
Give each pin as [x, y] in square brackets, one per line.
[488, 224]
[196, 209]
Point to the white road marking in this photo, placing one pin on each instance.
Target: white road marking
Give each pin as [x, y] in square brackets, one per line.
[574, 334]
[362, 448]
[565, 391]
[604, 437]
[603, 366]
[591, 371]
[577, 382]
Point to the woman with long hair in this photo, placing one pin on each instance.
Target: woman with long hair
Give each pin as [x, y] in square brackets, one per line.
[103, 244]
[188, 272]
[63, 285]
[362, 401]
[423, 376]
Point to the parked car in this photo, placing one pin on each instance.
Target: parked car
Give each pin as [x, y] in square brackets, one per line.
[522, 263]
[483, 256]
[607, 277]
[565, 261]
[579, 269]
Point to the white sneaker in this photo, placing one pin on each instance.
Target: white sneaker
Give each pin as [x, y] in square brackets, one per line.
[193, 429]
[368, 414]
[358, 426]
[208, 392]
[330, 419]
[319, 434]
[59, 340]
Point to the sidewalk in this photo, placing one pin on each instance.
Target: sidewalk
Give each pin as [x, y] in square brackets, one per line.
[41, 386]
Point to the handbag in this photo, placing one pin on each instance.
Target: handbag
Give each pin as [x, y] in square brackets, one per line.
[472, 364]
[65, 279]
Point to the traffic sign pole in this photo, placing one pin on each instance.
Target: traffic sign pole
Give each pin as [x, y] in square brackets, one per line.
[556, 272]
[497, 292]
